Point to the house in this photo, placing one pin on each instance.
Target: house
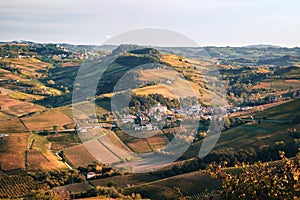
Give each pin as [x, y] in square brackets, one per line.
[91, 175]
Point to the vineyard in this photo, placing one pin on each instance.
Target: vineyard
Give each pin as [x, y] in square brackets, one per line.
[189, 184]
[12, 151]
[18, 186]
[78, 156]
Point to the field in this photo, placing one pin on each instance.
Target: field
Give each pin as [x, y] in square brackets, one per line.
[189, 184]
[137, 145]
[292, 81]
[12, 151]
[37, 161]
[79, 156]
[28, 66]
[106, 149]
[40, 156]
[10, 124]
[17, 186]
[25, 96]
[284, 85]
[113, 147]
[262, 85]
[125, 181]
[158, 141]
[287, 111]
[116, 141]
[17, 107]
[74, 188]
[140, 146]
[101, 153]
[46, 120]
[68, 110]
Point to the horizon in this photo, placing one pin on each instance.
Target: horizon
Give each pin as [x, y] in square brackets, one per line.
[92, 44]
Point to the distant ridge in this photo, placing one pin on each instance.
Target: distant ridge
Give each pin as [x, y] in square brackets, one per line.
[262, 46]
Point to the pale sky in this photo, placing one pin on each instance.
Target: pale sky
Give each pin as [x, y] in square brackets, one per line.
[209, 22]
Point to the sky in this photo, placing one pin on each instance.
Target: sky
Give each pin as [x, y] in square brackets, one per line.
[209, 22]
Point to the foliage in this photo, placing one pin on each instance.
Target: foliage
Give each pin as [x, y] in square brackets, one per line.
[261, 180]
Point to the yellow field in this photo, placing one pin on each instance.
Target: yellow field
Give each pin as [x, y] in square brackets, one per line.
[47, 120]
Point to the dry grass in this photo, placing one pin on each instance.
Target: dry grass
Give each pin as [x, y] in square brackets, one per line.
[12, 151]
[47, 120]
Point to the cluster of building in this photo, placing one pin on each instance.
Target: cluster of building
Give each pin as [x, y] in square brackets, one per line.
[160, 114]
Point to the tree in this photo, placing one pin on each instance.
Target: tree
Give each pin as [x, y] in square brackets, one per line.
[55, 128]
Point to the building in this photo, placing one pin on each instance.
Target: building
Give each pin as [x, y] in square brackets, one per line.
[91, 175]
[159, 108]
[128, 119]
